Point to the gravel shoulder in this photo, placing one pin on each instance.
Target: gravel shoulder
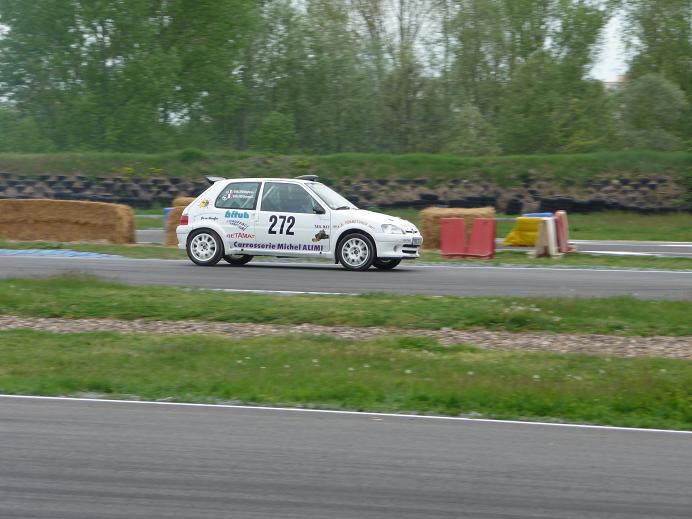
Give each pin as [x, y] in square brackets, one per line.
[632, 346]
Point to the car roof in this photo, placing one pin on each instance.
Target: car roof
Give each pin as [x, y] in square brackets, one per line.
[269, 179]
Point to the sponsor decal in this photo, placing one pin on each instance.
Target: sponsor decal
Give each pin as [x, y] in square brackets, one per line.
[320, 236]
[237, 194]
[204, 203]
[319, 226]
[212, 218]
[241, 235]
[236, 214]
[298, 247]
[237, 223]
[352, 222]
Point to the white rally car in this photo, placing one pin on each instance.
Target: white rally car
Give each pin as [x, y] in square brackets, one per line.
[237, 219]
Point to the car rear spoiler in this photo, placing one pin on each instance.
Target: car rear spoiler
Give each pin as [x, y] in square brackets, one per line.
[213, 180]
[309, 178]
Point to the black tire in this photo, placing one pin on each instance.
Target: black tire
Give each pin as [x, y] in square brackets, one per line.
[386, 263]
[356, 251]
[204, 247]
[238, 259]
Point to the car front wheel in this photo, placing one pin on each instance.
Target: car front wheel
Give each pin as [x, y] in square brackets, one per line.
[386, 263]
[204, 247]
[238, 259]
[356, 252]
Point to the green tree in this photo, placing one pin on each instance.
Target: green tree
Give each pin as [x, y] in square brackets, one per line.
[472, 134]
[651, 109]
[275, 134]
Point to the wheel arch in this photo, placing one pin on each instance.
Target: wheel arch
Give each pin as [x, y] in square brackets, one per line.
[352, 230]
[208, 228]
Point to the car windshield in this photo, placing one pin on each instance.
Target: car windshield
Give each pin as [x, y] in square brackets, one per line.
[330, 197]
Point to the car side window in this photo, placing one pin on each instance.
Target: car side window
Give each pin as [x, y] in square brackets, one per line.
[286, 198]
[238, 195]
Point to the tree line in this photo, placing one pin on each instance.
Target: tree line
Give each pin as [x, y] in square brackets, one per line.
[470, 77]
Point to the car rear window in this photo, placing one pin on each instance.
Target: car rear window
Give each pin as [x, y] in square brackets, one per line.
[238, 195]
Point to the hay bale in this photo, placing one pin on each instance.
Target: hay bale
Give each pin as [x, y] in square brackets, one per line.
[183, 201]
[66, 220]
[430, 221]
[173, 222]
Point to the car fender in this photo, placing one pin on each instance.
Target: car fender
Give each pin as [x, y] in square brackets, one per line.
[360, 227]
[213, 226]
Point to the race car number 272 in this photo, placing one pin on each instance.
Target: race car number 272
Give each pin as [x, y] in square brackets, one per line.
[287, 223]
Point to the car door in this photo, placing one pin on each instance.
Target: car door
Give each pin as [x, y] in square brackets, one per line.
[291, 221]
[236, 207]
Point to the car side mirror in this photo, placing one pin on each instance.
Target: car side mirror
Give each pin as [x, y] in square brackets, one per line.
[318, 209]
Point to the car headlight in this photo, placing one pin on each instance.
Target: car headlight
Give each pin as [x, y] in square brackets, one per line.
[392, 229]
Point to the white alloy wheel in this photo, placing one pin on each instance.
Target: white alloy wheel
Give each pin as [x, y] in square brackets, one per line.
[356, 252]
[204, 248]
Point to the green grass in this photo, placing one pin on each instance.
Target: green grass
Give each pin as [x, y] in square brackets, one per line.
[143, 222]
[567, 170]
[129, 251]
[575, 260]
[86, 297]
[395, 374]
[607, 225]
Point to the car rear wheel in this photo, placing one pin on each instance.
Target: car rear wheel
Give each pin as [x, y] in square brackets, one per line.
[238, 259]
[356, 252]
[204, 247]
[386, 263]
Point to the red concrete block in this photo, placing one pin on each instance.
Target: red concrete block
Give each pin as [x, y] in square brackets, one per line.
[482, 242]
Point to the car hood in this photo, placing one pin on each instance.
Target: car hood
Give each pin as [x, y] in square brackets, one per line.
[373, 218]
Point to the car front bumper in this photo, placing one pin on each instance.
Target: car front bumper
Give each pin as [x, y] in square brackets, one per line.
[398, 245]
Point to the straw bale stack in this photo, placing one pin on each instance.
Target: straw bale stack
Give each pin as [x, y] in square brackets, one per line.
[430, 221]
[66, 220]
[183, 201]
[173, 222]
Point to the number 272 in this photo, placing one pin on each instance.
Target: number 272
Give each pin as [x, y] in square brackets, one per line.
[274, 220]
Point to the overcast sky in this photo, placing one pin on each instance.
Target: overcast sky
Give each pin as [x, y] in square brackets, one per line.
[611, 62]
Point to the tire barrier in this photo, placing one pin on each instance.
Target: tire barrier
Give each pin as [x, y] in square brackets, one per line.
[66, 221]
[430, 222]
[480, 245]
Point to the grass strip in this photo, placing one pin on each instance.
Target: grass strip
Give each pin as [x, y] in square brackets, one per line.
[85, 297]
[505, 258]
[147, 251]
[393, 374]
[606, 225]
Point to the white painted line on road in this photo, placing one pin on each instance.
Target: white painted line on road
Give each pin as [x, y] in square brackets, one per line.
[553, 269]
[282, 292]
[347, 413]
[629, 253]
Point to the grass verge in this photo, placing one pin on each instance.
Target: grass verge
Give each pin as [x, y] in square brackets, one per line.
[567, 170]
[394, 374]
[86, 297]
[607, 225]
[147, 251]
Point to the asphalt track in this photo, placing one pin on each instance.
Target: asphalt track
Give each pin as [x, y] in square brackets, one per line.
[77, 460]
[408, 278]
[636, 248]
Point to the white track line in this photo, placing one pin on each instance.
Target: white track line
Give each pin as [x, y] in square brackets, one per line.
[346, 413]
[283, 292]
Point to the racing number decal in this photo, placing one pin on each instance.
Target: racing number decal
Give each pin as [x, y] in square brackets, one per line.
[273, 219]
